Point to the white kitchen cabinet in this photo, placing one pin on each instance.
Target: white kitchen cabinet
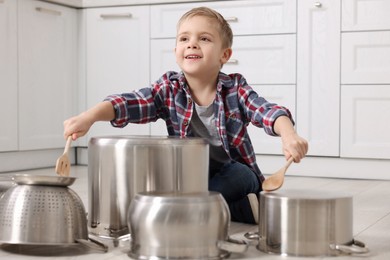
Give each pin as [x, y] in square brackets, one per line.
[117, 58]
[365, 57]
[8, 76]
[248, 17]
[365, 15]
[318, 75]
[365, 121]
[264, 59]
[48, 69]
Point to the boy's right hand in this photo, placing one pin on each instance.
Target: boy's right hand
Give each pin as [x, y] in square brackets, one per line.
[77, 126]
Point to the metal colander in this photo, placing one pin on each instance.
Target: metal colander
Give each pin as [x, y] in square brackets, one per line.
[37, 214]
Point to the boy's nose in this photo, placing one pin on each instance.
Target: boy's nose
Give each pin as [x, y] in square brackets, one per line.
[192, 45]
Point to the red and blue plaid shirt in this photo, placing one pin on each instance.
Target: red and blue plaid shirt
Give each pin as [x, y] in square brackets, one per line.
[236, 105]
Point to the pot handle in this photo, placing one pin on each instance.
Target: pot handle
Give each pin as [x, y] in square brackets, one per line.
[233, 245]
[356, 247]
[252, 235]
[93, 244]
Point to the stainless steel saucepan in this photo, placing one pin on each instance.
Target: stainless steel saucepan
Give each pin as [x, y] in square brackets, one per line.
[173, 225]
[42, 210]
[306, 223]
[121, 166]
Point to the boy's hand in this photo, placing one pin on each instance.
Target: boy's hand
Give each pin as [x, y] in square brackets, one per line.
[76, 126]
[294, 146]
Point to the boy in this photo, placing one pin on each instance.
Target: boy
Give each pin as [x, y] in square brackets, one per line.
[202, 101]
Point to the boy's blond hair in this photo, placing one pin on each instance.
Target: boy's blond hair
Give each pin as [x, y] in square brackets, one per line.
[224, 28]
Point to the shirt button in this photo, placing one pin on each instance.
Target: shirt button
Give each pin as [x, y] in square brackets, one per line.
[232, 115]
[185, 122]
[190, 101]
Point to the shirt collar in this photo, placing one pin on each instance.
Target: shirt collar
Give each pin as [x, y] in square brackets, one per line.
[224, 81]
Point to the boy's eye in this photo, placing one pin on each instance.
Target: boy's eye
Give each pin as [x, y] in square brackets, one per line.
[183, 39]
[205, 39]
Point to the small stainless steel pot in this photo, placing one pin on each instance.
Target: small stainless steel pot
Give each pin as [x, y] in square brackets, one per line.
[121, 166]
[306, 223]
[180, 226]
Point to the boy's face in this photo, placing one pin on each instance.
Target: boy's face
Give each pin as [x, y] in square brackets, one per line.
[199, 49]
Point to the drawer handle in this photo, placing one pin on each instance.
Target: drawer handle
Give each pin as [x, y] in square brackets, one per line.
[318, 5]
[116, 16]
[231, 19]
[48, 11]
[232, 61]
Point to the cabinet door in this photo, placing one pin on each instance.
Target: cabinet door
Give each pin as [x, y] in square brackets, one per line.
[365, 58]
[47, 72]
[360, 15]
[318, 75]
[365, 121]
[8, 76]
[117, 58]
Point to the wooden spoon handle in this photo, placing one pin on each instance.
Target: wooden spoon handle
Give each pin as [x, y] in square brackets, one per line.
[289, 162]
[68, 142]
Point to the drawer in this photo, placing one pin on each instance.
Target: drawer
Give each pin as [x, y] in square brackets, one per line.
[365, 58]
[264, 59]
[365, 121]
[261, 59]
[360, 15]
[245, 17]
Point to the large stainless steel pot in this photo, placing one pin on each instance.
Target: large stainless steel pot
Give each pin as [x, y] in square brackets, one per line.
[169, 225]
[121, 166]
[42, 210]
[306, 223]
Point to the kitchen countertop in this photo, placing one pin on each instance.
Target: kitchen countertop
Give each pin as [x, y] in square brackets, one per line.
[107, 3]
[371, 223]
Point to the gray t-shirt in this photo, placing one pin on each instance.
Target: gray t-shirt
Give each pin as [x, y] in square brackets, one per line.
[203, 125]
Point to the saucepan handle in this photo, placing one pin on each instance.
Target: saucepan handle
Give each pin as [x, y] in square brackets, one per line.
[233, 245]
[252, 235]
[356, 247]
[93, 244]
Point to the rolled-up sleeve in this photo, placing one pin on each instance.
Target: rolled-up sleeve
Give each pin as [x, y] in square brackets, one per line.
[259, 111]
[134, 107]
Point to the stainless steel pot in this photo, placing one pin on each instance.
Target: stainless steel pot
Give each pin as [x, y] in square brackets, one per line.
[121, 166]
[180, 226]
[306, 223]
[44, 214]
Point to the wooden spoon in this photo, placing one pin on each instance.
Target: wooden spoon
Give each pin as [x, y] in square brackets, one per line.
[63, 163]
[275, 181]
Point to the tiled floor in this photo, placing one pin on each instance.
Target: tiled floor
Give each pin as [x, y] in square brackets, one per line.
[371, 221]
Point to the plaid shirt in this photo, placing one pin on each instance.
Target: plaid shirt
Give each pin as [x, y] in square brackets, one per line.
[236, 105]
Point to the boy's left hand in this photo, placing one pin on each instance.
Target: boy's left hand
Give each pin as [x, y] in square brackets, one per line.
[294, 146]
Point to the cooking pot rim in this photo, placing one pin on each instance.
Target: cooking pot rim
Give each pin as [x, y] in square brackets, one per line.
[301, 194]
[149, 140]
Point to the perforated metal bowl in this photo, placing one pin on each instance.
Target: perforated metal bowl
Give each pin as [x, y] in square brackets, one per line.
[44, 215]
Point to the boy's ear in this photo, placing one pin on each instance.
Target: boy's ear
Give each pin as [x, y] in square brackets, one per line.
[227, 53]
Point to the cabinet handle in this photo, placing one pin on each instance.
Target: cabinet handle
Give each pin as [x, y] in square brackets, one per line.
[48, 11]
[232, 61]
[231, 19]
[318, 5]
[116, 16]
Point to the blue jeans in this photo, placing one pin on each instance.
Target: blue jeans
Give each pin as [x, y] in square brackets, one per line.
[235, 181]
